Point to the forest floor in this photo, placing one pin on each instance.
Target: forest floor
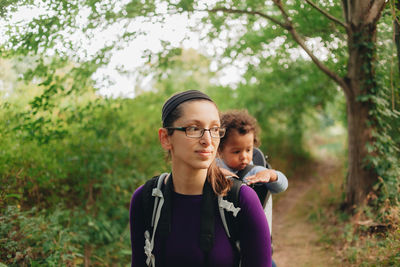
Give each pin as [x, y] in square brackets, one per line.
[296, 239]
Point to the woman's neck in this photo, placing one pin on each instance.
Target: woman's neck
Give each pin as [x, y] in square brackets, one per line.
[189, 182]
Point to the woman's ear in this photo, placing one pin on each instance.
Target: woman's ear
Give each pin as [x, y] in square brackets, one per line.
[164, 138]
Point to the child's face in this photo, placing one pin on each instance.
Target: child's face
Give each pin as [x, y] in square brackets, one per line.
[237, 152]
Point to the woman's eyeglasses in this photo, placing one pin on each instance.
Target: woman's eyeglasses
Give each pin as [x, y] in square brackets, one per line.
[196, 132]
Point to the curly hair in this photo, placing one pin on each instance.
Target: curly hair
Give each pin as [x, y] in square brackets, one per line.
[242, 122]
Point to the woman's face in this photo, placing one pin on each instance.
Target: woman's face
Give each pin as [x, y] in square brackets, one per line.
[195, 153]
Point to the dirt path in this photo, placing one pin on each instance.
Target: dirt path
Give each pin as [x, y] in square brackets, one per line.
[295, 239]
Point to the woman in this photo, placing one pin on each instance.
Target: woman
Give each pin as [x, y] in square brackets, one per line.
[191, 134]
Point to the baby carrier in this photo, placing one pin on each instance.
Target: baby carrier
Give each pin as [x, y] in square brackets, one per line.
[262, 192]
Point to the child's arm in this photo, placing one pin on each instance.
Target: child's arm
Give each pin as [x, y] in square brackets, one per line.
[274, 180]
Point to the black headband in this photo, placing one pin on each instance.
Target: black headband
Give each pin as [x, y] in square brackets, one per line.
[179, 98]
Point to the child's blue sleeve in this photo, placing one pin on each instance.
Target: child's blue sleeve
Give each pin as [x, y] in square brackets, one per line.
[279, 185]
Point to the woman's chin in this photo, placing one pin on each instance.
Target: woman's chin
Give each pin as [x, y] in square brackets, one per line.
[203, 164]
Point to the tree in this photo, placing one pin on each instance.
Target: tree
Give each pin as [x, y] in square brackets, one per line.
[346, 30]
[396, 23]
[358, 80]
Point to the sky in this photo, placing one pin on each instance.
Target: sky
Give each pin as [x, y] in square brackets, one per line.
[174, 29]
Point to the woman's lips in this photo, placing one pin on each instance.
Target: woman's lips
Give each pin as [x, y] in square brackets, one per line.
[204, 153]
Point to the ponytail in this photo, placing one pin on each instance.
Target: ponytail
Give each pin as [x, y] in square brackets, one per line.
[219, 183]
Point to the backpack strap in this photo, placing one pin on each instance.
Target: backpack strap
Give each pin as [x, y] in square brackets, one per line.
[229, 211]
[159, 202]
[152, 195]
[242, 173]
[207, 221]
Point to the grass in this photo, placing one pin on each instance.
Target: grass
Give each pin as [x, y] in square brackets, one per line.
[359, 239]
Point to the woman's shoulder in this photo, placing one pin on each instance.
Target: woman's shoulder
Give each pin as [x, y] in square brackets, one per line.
[145, 188]
[248, 196]
[250, 208]
[144, 191]
[136, 198]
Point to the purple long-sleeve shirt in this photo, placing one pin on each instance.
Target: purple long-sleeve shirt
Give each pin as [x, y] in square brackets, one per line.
[182, 245]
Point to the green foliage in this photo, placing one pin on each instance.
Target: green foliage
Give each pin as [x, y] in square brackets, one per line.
[180, 70]
[364, 242]
[281, 101]
[34, 238]
[66, 199]
[70, 160]
[107, 149]
[360, 239]
[385, 152]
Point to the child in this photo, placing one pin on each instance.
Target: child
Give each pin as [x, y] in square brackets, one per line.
[236, 151]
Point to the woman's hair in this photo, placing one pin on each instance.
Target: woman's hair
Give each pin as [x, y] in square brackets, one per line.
[215, 177]
[242, 122]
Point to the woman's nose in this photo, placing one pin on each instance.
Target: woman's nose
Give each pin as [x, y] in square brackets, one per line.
[206, 138]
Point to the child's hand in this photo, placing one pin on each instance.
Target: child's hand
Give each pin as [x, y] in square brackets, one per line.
[265, 176]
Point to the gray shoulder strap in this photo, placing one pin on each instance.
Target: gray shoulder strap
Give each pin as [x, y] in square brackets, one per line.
[158, 203]
[157, 193]
[267, 205]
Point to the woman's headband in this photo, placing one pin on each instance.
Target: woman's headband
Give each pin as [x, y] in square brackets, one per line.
[179, 98]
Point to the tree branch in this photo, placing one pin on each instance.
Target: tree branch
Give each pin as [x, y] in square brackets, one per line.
[336, 78]
[250, 12]
[288, 25]
[326, 14]
[376, 8]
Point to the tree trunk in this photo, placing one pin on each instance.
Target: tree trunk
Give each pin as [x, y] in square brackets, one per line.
[360, 178]
[361, 86]
[397, 32]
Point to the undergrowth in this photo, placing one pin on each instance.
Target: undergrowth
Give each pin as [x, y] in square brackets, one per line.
[360, 239]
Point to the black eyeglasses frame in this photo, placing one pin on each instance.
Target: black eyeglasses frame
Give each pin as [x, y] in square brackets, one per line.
[202, 131]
